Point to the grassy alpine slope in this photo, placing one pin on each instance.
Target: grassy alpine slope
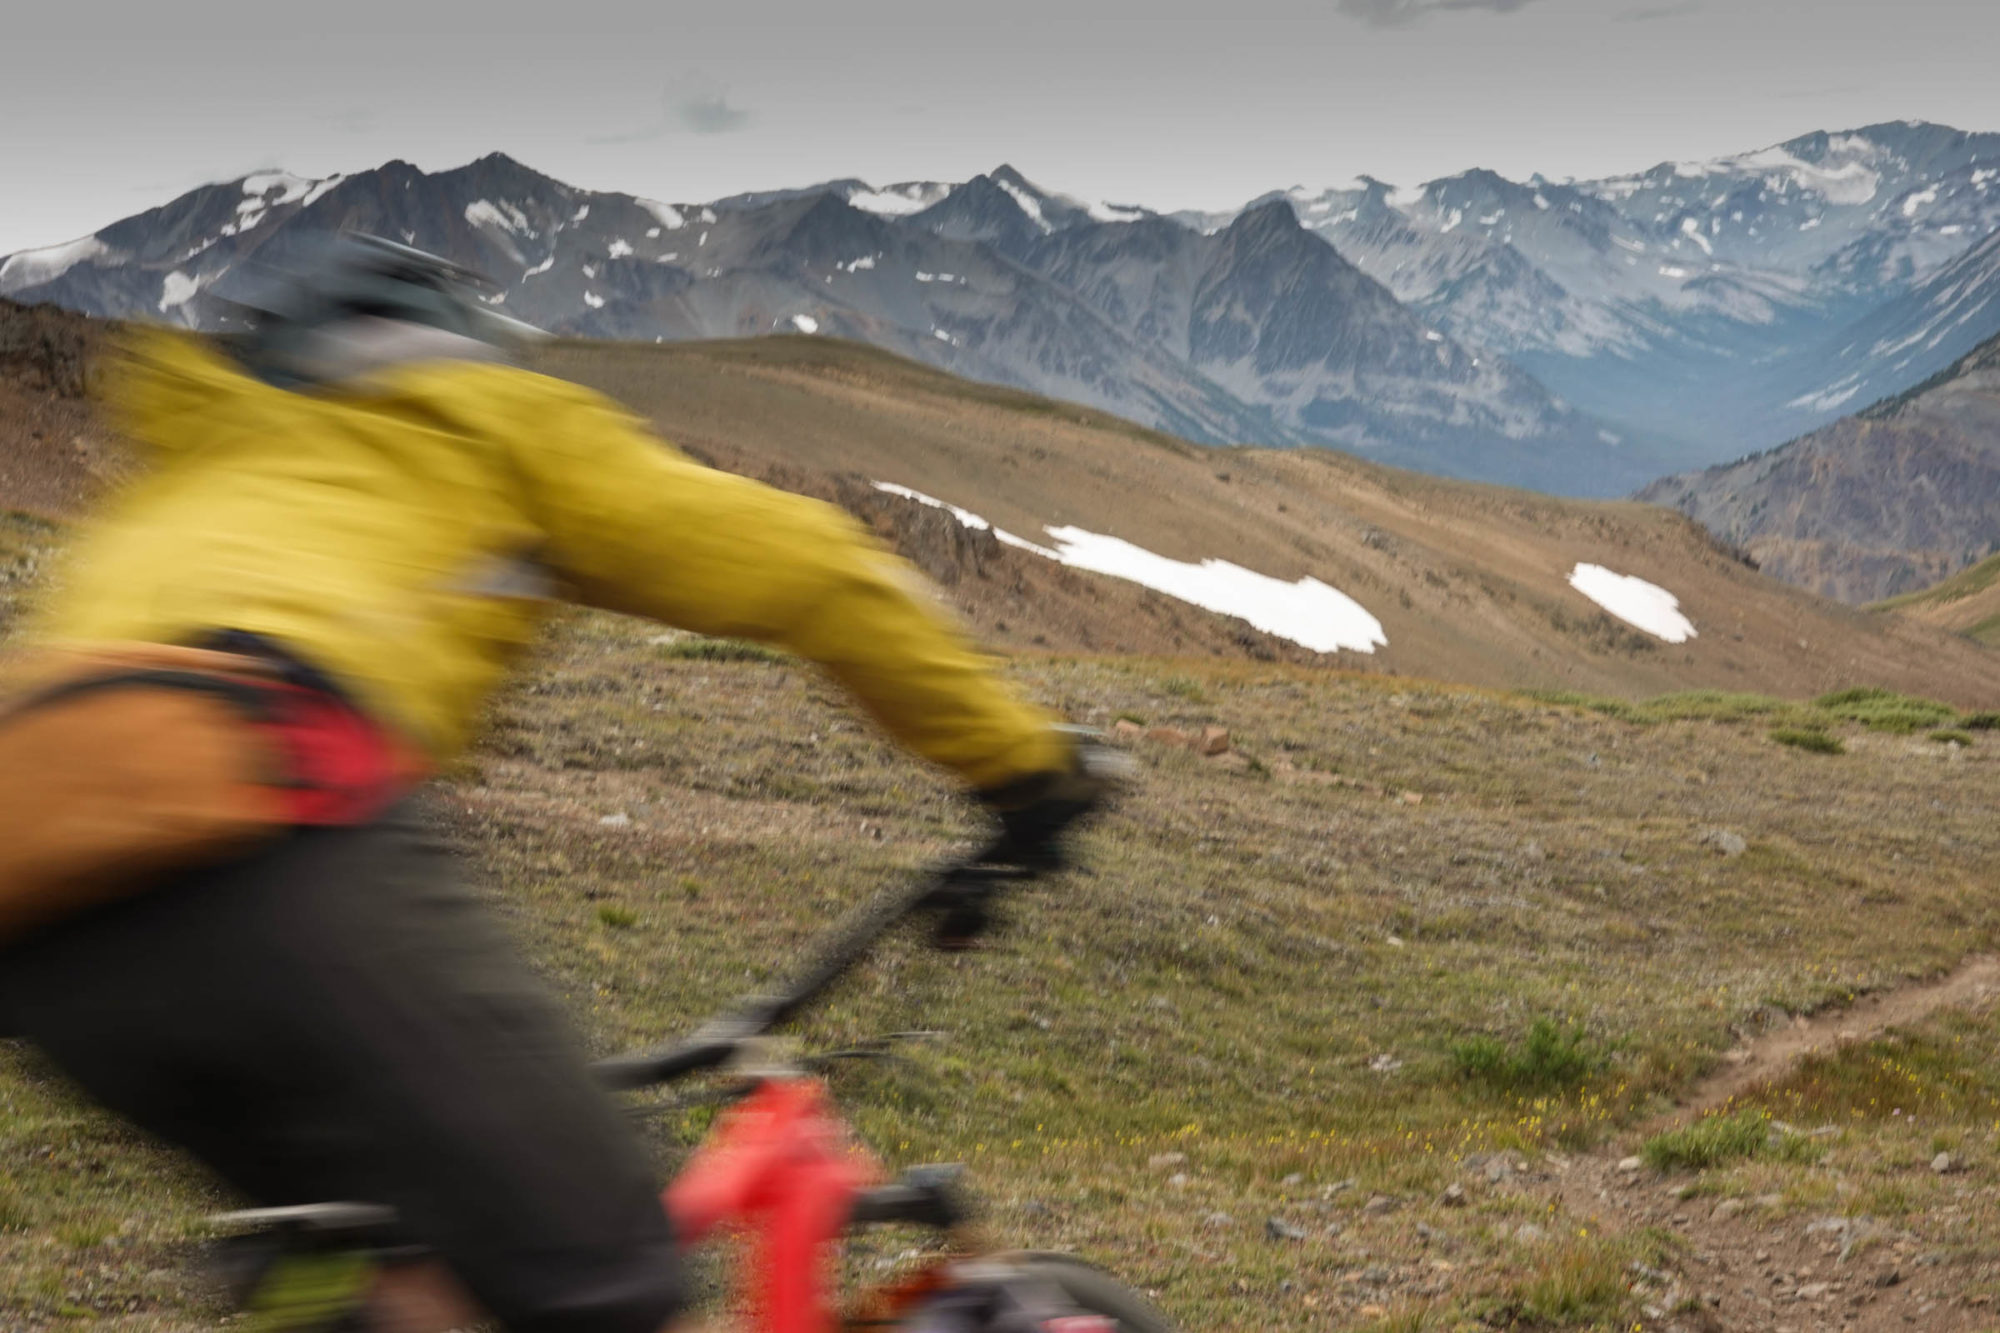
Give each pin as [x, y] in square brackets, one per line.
[1236, 1060]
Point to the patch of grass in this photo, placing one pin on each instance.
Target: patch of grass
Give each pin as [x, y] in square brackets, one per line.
[613, 917]
[1596, 703]
[1425, 1318]
[1681, 706]
[1184, 687]
[1584, 1282]
[1717, 1139]
[1548, 1058]
[1886, 710]
[694, 648]
[1949, 1071]
[1808, 738]
[1980, 721]
[1134, 718]
[1951, 735]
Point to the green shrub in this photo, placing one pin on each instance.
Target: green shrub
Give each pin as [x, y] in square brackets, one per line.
[1550, 1057]
[1184, 687]
[1885, 710]
[1716, 1139]
[1808, 738]
[617, 918]
[1709, 706]
[1980, 721]
[694, 648]
[1946, 735]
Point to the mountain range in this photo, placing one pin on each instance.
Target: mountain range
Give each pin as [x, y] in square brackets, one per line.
[1578, 336]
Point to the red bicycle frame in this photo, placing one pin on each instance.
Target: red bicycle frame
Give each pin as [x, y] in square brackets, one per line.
[781, 1166]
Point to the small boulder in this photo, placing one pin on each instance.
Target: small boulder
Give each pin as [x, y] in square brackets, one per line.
[1944, 1164]
[1723, 841]
[1454, 1196]
[1212, 741]
[1167, 735]
[1727, 1209]
[1125, 728]
[1277, 1228]
[1631, 1165]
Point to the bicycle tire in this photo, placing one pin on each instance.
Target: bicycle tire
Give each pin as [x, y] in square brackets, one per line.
[1096, 1292]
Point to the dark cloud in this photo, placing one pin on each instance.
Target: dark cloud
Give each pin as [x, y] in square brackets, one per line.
[1652, 12]
[1397, 13]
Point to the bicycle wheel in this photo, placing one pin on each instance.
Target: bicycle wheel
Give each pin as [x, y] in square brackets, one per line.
[1094, 1291]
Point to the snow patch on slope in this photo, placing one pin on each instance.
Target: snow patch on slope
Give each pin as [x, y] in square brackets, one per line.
[1308, 612]
[1029, 204]
[30, 268]
[667, 215]
[1643, 605]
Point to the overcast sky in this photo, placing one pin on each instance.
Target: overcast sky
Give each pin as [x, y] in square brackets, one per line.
[1162, 102]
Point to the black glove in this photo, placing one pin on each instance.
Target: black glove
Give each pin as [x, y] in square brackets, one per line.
[1036, 812]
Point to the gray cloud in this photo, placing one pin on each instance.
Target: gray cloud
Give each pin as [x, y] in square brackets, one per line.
[710, 113]
[1397, 13]
[1652, 12]
[693, 105]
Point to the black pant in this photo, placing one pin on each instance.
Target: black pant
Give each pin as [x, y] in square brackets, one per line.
[335, 1018]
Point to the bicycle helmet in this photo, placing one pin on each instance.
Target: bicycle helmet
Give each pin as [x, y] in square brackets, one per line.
[304, 320]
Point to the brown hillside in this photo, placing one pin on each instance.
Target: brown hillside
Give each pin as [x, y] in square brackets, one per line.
[52, 452]
[1469, 581]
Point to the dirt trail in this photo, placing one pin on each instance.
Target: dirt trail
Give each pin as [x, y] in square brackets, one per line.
[1750, 1267]
[1971, 985]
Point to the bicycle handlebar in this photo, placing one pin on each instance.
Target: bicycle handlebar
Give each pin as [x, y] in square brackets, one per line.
[957, 892]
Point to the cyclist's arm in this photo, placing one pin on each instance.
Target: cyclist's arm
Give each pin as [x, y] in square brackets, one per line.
[643, 529]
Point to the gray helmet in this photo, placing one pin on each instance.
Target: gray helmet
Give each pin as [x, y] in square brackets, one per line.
[351, 278]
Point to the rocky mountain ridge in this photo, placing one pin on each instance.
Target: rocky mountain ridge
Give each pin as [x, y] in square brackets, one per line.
[1256, 333]
[1581, 336]
[1882, 503]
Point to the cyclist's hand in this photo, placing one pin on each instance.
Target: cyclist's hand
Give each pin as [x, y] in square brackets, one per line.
[1037, 812]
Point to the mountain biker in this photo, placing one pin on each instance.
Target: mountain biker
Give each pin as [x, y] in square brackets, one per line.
[216, 911]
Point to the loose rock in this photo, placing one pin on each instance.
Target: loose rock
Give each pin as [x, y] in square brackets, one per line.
[1723, 841]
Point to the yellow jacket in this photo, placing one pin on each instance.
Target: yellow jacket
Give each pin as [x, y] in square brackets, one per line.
[405, 535]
